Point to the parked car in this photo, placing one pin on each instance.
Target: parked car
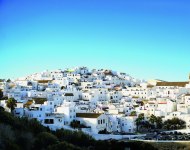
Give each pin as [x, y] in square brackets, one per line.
[179, 137]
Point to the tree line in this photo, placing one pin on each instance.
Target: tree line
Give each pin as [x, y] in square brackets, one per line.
[154, 122]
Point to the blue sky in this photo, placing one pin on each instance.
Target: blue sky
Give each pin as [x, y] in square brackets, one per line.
[145, 38]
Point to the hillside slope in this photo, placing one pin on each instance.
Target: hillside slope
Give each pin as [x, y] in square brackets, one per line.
[24, 134]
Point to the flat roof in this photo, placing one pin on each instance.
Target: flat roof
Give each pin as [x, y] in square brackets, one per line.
[88, 115]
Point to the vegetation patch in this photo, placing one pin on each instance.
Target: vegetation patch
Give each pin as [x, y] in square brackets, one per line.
[24, 134]
[28, 103]
[40, 100]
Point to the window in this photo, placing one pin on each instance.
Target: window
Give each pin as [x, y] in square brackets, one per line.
[49, 121]
[98, 121]
[103, 120]
[40, 109]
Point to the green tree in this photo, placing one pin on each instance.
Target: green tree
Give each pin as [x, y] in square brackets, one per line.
[152, 119]
[159, 122]
[75, 124]
[2, 109]
[174, 124]
[139, 120]
[11, 103]
[1, 94]
[9, 80]
[103, 132]
[63, 146]
[45, 139]
[156, 121]
[133, 113]
[2, 80]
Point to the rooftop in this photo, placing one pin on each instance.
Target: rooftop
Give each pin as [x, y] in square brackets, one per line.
[43, 81]
[179, 84]
[88, 115]
[69, 94]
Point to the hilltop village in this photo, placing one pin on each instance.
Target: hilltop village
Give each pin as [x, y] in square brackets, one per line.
[96, 101]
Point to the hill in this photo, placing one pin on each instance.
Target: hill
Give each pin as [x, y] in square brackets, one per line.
[23, 134]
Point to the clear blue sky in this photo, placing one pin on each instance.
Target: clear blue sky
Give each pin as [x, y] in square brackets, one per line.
[144, 38]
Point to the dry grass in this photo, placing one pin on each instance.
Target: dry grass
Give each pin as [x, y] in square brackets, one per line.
[28, 103]
[171, 145]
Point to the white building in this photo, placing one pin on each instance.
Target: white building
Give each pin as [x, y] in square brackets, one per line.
[97, 122]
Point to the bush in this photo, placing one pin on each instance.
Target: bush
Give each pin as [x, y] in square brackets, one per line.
[174, 124]
[64, 146]
[45, 139]
[103, 132]
[25, 134]
[74, 137]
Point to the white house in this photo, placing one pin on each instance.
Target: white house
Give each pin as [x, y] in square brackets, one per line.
[128, 124]
[96, 121]
[69, 111]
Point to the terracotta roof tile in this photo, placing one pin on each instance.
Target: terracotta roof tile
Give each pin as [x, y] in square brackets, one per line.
[179, 84]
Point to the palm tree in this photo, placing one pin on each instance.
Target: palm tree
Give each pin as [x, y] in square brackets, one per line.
[139, 120]
[152, 119]
[11, 103]
[159, 122]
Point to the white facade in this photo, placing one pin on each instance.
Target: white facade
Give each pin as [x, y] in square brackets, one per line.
[112, 95]
[97, 122]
